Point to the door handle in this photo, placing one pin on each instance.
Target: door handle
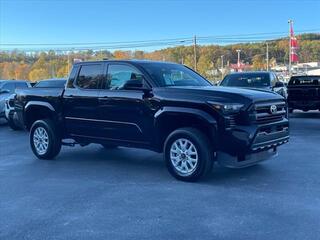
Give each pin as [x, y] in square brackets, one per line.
[68, 96]
[105, 98]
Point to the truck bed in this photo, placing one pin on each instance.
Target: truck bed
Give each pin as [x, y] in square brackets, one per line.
[50, 95]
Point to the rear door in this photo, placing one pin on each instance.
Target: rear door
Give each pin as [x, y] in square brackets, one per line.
[81, 100]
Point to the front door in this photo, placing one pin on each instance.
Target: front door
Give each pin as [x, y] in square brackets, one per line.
[126, 114]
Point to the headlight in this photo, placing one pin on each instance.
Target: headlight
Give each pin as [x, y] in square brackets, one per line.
[227, 108]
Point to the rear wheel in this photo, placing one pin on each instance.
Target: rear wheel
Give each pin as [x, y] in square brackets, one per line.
[45, 140]
[188, 154]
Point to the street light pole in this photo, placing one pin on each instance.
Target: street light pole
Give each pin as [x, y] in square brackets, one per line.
[195, 52]
[267, 56]
[181, 56]
[222, 65]
[290, 22]
[238, 51]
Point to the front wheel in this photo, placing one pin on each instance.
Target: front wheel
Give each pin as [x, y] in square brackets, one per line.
[188, 154]
[45, 139]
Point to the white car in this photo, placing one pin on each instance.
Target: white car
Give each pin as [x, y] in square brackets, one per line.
[7, 88]
[9, 106]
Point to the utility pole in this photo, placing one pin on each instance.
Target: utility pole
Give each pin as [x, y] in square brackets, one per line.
[267, 56]
[195, 52]
[290, 22]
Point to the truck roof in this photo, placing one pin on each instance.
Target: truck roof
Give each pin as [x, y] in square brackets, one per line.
[251, 72]
[137, 61]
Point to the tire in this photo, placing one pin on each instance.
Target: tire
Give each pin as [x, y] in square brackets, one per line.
[12, 124]
[183, 168]
[109, 146]
[46, 132]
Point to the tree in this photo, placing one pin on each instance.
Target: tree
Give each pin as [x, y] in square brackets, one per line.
[258, 62]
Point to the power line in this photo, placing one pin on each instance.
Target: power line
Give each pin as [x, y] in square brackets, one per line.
[220, 37]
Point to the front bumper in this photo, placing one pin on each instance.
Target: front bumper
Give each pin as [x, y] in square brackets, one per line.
[227, 160]
[246, 145]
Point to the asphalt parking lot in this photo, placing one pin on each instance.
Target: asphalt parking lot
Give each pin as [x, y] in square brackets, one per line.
[93, 193]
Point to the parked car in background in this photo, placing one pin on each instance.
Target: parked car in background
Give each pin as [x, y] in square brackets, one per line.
[10, 113]
[257, 80]
[7, 88]
[161, 106]
[304, 93]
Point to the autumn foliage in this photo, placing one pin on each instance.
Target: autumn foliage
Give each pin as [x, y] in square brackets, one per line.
[35, 66]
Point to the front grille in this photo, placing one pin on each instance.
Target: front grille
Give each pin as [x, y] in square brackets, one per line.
[265, 112]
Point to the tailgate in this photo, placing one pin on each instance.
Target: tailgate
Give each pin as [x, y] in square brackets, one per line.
[304, 93]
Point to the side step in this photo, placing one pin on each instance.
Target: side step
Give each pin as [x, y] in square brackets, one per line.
[72, 144]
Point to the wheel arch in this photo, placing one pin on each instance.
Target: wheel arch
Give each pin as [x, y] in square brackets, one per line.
[36, 110]
[169, 119]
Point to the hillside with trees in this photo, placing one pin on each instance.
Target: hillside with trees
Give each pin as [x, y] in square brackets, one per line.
[41, 65]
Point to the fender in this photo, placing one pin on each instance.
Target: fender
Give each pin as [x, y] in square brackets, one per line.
[167, 119]
[204, 116]
[39, 103]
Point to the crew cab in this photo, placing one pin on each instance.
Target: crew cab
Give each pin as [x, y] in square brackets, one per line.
[164, 107]
[255, 80]
[304, 93]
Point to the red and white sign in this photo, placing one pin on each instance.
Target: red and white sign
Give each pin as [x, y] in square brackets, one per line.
[293, 46]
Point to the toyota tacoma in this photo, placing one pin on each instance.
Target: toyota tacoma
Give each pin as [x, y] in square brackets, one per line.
[164, 107]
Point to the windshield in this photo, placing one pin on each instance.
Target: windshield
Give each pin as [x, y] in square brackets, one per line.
[168, 74]
[255, 80]
[51, 84]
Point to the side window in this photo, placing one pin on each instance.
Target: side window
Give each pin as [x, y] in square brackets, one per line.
[9, 86]
[72, 77]
[89, 76]
[118, 75]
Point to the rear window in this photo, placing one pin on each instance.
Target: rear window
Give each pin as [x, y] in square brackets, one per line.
[304, 80]
[51, 84]
[252, 80]
[22, 85]
[89, 76]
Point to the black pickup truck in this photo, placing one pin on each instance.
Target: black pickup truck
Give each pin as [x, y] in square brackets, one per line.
[164, 107]
[304, 93]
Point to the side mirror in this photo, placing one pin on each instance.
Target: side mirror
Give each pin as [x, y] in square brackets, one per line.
[279, 84]
[133, 85]
[3, 91]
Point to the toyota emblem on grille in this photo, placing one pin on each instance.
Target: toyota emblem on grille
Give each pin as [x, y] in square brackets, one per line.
[273, 109]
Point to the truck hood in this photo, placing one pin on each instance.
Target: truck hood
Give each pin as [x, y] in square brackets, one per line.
[223, 94]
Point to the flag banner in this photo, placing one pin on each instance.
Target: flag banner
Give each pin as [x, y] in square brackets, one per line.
[293, 46]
